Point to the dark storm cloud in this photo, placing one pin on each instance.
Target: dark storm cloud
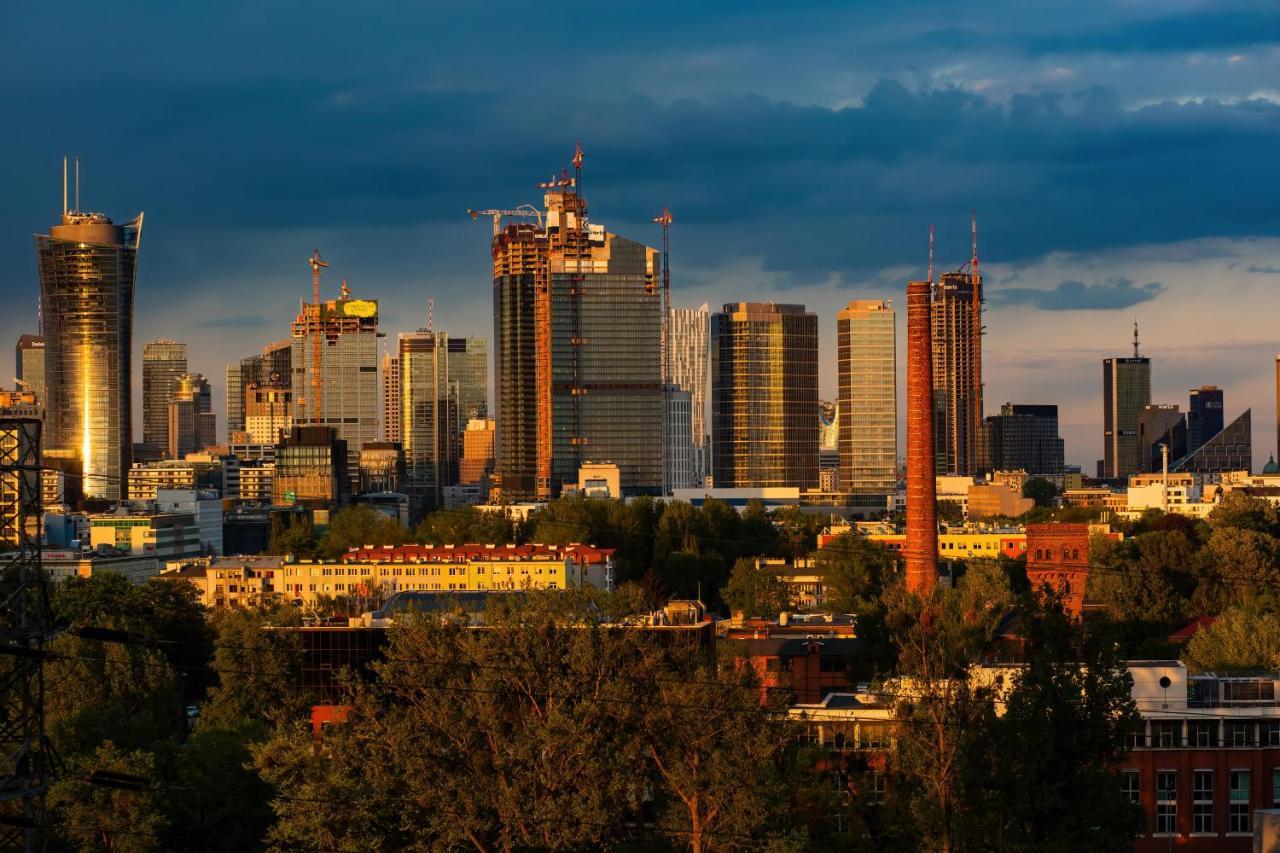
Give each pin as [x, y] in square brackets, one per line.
[1077, 296]
[1203, 29]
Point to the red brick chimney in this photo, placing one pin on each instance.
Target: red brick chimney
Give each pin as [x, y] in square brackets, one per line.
[922, 521]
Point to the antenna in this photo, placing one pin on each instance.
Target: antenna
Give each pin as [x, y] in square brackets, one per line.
[1135, 339]
[77, 184]
[64, 185]
[930, 253]
[431, 312]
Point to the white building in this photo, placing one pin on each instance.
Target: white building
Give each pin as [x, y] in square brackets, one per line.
[679, 462]
[688, 360]
[204, 506]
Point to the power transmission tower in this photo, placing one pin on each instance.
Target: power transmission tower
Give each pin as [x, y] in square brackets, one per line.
[27, 760]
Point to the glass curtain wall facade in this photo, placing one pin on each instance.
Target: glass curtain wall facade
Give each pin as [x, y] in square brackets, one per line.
[957, 375]
[348, 369]
[30, 365]
[164, 363]
[429, 418]
[866, 356]
[87, 268]
[577, 355]
[689, 330]
[469, 377]
[1126, 391]
[764, 394]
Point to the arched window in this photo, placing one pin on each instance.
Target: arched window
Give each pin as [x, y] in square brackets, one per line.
[1039, 554]
[1075, 553]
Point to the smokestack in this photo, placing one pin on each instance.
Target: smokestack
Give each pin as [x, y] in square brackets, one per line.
[922, 521]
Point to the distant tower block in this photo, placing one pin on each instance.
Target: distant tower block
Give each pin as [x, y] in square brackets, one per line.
[922, 523]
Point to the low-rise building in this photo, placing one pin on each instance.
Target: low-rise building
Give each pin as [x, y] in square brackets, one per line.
[962, 544]
[256, 480]
[204, 470]
[992, 499]
[231, 581]
[63, 563]
[162, 535]
[806, 655]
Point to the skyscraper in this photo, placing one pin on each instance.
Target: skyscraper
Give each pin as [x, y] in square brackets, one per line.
[390, 398]
[468, 372]
[866, 366]
[957, 372]
[164, 363]
[268, 412]
[577, 353]
[1230, 450]
[192, 425]
[348, 370]
[764, 396]
[1161, 424]
[1024, 437]
[429, 418]
[29, 367]
[274, 366]
[689, 333]
[1126, 391]
[1204, 416]
[678, 459]
[88, 269]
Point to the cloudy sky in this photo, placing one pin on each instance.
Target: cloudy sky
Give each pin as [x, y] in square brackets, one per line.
[1122, 158]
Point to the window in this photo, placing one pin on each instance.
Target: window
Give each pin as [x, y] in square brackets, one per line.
[1203, 734]
[1202, 801]
[1275, 787]
[1166, 801]
[1131, 785]
[876, 789]
[1239, 734]
[1238, 816]
[1271, 733]
[1248, 690]
[1166, 734]
[831, 664]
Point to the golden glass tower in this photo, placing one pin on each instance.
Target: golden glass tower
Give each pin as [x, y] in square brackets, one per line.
[87, 268]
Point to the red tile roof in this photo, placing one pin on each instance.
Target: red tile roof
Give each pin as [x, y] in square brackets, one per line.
[583, 554]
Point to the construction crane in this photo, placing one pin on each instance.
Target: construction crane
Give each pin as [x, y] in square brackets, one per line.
[522, 210]
[317, 383]
[562, 182]
[665, 220]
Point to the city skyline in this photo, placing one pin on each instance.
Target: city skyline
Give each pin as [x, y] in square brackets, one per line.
[1175, 91]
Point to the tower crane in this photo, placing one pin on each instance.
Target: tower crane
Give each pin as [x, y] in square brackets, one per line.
[522, 210]
[665, 219]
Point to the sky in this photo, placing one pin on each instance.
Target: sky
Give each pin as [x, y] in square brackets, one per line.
[1121, 157]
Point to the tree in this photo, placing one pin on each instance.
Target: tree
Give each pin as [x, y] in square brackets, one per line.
[217, 801]
[1237, 565]
[950, 512]
[258, 670]
[756, 589]
[292, 536]
[1245, 512]
[1142, 583]
[727, 769]
[1046, 778]
[459, 526]
[1039, 490]
[1239, 639]
[101, 818]
[356, 526]
[855, 572]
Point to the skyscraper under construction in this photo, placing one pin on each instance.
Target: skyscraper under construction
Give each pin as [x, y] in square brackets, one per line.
[577, 352]
[956, 317]
[348, 386]
[88, 267]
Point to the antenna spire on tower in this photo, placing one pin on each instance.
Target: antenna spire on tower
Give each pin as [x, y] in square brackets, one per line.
[77, 184]
[930, 253]
[1135, 339]
[64, 185]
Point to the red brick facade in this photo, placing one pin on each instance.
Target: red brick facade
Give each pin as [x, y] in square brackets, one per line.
[1058, 555]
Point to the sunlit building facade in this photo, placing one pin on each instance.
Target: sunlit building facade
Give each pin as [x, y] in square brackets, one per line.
[688, 360]
[348, 369]
[88, 268]
[764, 396]
[164, 363]
[577, 354]
[866, 367]
[429, 418]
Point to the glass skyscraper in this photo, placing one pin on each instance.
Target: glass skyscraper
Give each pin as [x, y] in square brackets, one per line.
[577, 355]
[164, 363]
[866, 363]
[688, 360]
[468, 372]
[764, 396]
[87, 268]
[1126, 391]
[429, 417]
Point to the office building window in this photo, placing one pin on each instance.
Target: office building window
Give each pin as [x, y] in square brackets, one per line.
[1239, 734]
[1275, 788]
[1166, 801]
[1166, 734]
[1131, 784]
[1238, 815]
[1271, 733]
[1202, 801]
[1204, 734]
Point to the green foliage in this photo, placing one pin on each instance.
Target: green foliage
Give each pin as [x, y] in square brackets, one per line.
[258, 670]
[292, 535]
[460, 526]
[1244, 512]
[756, 590]
[950, 512]
[355, 526]
[543, 732]
[97, 818]
[1240, 639]
[1039, 490]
